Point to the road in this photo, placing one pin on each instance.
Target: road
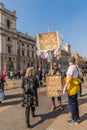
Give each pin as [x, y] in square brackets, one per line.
[12, 115]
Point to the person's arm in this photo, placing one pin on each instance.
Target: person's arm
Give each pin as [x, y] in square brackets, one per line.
[67, 83]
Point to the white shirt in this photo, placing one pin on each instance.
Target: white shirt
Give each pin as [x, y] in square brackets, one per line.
[74, 71]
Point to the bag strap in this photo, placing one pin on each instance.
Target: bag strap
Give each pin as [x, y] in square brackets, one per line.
[78, 71]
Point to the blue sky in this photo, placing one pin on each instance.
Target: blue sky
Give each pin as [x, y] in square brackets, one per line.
[68, 17]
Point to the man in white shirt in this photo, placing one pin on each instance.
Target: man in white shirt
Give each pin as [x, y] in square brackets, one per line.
[72, 73]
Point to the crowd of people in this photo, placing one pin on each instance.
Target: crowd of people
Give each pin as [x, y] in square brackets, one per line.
[32, 79]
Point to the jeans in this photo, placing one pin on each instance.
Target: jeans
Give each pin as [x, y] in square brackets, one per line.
[73, 105]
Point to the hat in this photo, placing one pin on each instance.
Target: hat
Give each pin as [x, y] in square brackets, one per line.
[71, 59]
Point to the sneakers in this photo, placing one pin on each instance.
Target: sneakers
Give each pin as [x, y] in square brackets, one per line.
[78, 120]
[70, 122]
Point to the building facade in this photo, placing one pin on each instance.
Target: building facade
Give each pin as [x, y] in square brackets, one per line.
[17, 50]
[79, 59]
[65, 55]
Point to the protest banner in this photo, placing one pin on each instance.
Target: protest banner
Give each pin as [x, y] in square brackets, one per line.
[54, 85]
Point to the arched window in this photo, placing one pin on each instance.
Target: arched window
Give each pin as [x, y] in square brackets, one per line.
[22, 52]
[28, 53]
[9, 49]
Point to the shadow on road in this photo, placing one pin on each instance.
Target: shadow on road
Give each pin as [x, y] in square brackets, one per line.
[56, 113]
[84, 95]
[84, 117]
[53, 114]
[13, 96]
[11, 103]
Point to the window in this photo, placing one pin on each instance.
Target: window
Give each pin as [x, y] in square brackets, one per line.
[28, 53]
[9, 39]
[9, 49]
[24, 61]
[32, 54]
[27, 45]
[8, 23]
[22, 44]
[9, 58]
[18, 52]
[22, 52]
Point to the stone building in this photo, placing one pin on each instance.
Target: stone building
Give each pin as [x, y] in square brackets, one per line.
[17, 50]
[65, 55]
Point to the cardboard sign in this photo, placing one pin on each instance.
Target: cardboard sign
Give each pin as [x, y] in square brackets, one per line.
[54, 85]
[48, 41]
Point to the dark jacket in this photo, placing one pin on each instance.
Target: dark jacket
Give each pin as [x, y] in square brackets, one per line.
[40, 74]
[29, 83]
[1, 83]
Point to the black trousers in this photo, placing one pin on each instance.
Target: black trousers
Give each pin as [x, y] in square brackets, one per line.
[73, 105]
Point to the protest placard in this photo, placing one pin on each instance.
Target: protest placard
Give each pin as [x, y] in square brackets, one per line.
[54, 85]
[48, 41]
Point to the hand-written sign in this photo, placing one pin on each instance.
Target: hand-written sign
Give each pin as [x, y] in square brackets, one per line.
[54, 85]
[48, 41]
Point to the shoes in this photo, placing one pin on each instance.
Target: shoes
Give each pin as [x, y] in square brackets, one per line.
[78, 120]
[53, 108]
[71, 122]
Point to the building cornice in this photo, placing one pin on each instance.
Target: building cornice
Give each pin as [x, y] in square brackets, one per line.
[12, 14]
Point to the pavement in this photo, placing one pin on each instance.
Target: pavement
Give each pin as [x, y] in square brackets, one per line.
[45, 120]
[60, 123]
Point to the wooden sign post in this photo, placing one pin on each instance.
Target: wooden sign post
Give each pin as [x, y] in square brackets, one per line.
[54, 85]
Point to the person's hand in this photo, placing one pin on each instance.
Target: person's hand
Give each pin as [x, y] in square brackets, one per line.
[64, 91]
